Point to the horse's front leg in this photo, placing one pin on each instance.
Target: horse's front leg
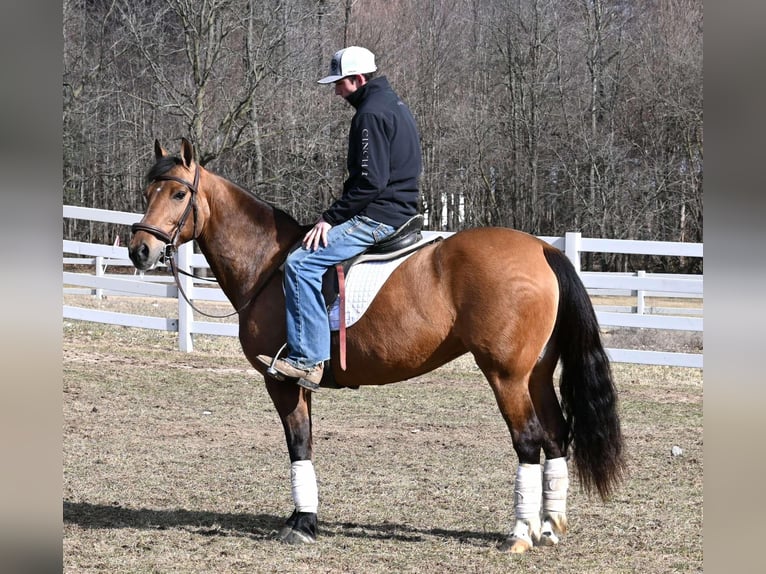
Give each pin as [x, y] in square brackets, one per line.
[293, 405]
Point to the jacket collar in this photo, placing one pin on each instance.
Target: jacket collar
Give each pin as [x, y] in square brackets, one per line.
[375, 85]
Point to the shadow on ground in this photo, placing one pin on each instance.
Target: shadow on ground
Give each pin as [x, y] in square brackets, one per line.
[255, 526]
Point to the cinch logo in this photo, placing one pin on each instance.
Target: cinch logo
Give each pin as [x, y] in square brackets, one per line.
[365, 150]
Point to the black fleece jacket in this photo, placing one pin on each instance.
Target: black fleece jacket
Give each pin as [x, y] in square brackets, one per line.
[384, 159]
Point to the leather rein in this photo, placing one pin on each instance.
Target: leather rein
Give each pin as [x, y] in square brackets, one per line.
[170, 250]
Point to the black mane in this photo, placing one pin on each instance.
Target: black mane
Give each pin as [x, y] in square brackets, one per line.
[166, 163]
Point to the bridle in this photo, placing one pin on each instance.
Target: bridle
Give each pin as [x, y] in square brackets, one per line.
[191, 207]
[170, 250]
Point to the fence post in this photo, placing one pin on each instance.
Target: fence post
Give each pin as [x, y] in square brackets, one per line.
[99, 273]
[640, 296]
[185, 312]
[572, 243]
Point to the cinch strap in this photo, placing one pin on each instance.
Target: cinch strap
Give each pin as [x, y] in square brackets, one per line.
[342, 314]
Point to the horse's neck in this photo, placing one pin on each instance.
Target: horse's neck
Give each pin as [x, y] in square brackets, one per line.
[244, 239]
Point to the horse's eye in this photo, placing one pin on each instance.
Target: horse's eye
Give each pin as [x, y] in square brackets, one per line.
[179, 195]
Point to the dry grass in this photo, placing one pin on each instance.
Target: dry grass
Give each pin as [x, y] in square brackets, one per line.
[177, 463]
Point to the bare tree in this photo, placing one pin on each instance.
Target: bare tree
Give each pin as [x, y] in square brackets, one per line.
[535, 114]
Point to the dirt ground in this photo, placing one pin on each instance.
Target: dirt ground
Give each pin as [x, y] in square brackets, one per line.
[176, 462]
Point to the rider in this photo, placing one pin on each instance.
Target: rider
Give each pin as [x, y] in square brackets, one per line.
[379, 195]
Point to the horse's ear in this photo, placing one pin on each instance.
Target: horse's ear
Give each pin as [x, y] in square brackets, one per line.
[159, 151]
[187, 152]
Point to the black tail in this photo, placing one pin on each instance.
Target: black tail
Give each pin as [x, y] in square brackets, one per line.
[588, 393]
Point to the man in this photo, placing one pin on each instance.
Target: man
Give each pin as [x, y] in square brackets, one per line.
[379, 195]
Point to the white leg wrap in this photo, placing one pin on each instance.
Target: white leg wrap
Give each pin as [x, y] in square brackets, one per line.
[555, 485]
[304, 486]
[529, 490]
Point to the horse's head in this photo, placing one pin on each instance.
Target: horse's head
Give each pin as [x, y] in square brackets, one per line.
[173, 208]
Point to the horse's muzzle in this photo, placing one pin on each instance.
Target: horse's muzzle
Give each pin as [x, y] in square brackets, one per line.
[140, 255]
[145, 254]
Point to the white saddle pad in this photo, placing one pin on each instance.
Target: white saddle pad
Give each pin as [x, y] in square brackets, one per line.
[363, 282]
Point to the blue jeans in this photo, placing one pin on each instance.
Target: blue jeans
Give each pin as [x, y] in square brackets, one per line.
[308, 327]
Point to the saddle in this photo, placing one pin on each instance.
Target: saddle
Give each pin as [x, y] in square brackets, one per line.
[394, 246]
[403, 241]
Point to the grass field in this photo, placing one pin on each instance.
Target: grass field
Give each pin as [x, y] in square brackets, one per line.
[176, 462]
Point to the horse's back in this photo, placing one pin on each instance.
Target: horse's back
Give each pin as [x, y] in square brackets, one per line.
[495, 240]
[490, 265]
[504, 259]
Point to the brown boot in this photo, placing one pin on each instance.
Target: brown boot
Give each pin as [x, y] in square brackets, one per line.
[307, 378]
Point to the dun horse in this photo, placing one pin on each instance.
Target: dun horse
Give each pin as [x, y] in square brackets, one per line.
[511, 300]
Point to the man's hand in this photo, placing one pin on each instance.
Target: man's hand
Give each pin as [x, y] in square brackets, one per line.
[317, 235]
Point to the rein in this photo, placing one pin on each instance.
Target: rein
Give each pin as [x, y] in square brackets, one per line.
[176, 271]
[170, 244]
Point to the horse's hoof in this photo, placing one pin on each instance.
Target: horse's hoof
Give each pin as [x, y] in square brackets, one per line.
[289, 535]
[554, 527]
[515, 545]
[555, 522]
[548, 538]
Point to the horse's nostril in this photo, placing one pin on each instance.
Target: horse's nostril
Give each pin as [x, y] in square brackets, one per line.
[138, 255]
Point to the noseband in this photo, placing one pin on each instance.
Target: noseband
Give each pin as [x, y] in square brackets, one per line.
[170, 242]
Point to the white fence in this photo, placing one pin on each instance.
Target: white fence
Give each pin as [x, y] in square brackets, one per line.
[639, 285]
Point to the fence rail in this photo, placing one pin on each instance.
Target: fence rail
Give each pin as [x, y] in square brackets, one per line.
[638, 285]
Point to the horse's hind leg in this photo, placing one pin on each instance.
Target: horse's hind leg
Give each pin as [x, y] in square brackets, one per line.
[555, 471]
[527, 434]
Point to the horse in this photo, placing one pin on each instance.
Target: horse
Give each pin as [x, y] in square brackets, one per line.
[513, 301]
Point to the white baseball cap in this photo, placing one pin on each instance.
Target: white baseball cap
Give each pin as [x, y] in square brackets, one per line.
[350, 62]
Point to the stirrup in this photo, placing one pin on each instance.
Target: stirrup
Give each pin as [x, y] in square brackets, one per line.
[271, 370]
[308, 385]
